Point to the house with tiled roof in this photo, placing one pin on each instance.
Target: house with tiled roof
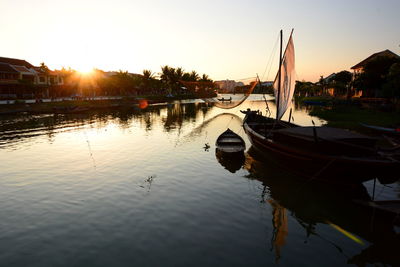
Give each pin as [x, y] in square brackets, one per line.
[7, 73]
[16, 62]
[359, 67]
[19, 78]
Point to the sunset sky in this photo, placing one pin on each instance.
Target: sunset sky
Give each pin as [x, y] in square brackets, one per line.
[226, 39]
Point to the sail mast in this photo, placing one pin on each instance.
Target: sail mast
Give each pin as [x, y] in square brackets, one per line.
[279, 79]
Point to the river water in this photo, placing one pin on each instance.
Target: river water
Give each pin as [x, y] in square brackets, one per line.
[140, 188]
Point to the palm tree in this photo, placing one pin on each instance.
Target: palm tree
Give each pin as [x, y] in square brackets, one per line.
[205, 78]
[147, 79]
[186, 76]
[168, 76]
[124, 82]
[194, 76]
[323, 83]
[43, 67]
[179, 72]
[148, 74]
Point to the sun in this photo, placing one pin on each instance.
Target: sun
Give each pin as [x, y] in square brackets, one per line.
[86, 71]
[85, 67]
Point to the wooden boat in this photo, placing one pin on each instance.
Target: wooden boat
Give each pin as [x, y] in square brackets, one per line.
[327, 150]
[227, 99]
[383, 130]
[347, 158]
[230, 142]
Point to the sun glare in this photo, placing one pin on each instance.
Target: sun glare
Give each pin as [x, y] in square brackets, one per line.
[83, 66]
[85, 71]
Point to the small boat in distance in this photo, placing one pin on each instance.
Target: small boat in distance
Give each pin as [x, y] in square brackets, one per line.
[227, 99]
[230, 142]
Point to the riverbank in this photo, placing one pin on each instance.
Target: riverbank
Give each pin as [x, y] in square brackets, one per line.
[68, 104]
[351, 116]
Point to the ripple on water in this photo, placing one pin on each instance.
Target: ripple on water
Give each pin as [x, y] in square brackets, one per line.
[137, 188]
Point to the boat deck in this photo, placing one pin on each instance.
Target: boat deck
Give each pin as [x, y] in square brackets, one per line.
[390, 205]
[230, 141]
[324, 132]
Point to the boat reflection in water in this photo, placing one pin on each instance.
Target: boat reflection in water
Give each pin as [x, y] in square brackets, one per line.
[232, 163]
[313, 204]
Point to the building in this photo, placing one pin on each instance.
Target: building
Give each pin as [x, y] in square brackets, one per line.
[267, 83]
[20, 79]
[228, 86]
[359, 68]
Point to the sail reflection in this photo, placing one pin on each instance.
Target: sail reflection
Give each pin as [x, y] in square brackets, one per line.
[280, 225]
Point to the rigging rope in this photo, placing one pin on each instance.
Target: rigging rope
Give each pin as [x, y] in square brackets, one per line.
[241, 89]
[227, 126]
[271, 59]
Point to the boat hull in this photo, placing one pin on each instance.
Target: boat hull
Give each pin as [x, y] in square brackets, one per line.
[322, 165]
[230, 143]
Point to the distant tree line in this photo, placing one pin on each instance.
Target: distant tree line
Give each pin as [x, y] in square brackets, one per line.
[338, 84]
[170, 81]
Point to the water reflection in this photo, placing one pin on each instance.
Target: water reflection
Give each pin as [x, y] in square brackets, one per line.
[15, 129]
[116, 182]
[313, 204]
[232, 163]
[280, 227]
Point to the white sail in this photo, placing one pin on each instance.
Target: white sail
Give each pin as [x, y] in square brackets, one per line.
[287, 81]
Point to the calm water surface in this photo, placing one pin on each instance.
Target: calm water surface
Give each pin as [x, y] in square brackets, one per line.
[138, 188]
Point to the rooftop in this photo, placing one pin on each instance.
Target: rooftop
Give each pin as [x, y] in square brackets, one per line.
[6, 68]
[385, 53]
[14, 61]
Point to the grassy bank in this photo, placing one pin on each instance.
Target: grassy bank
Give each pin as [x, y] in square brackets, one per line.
[350, 116]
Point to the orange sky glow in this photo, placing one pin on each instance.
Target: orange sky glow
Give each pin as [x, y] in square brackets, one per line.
[224, 39]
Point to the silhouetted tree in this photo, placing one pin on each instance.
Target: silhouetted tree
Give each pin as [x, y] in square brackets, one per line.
[391, 88]
[194, 76]
[341, 82]
[148, 74]
[43, 68]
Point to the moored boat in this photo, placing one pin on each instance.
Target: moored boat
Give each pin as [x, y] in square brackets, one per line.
[393, 132]
[230, 142]
[329, 151]
[225, 99]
